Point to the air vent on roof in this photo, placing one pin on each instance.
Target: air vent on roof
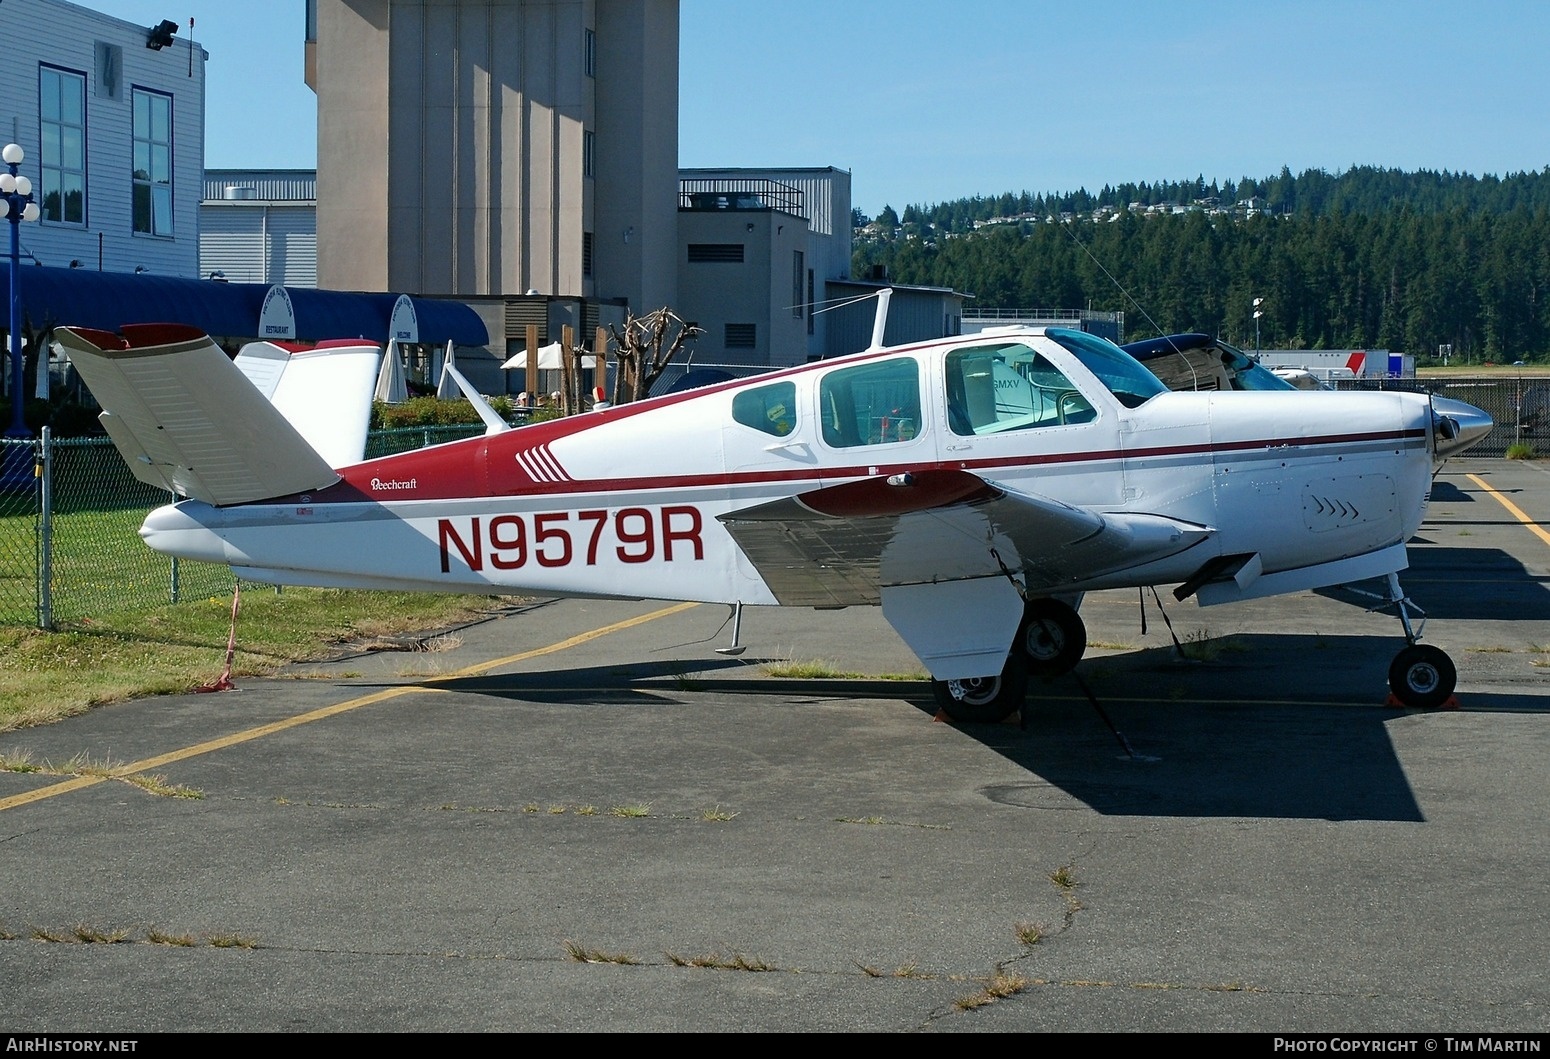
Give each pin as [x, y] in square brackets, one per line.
[110, 68]
[236, 192]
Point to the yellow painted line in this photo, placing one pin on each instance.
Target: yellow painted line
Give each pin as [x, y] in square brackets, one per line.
[574, 641]
[1516, 512]
[76, 783]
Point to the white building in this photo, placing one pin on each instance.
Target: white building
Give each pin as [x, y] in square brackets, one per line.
[259, 226]
[111, 116]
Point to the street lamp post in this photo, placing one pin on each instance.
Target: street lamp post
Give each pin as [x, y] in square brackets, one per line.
[16, 205]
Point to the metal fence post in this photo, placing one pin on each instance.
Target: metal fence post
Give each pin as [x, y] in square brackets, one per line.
[45, 471]
[173, 587]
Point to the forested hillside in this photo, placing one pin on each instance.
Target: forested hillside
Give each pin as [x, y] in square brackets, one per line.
[1366, 259]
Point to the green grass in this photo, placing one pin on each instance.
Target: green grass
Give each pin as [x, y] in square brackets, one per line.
[819, 670]
[97, 563]
[115, 655]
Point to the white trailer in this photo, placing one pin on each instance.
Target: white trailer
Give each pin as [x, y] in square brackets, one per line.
[1333, 365]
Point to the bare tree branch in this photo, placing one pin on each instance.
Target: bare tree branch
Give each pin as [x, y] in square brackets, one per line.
[645, 350]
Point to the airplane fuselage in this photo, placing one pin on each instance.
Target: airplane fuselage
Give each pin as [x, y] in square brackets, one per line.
[628, 502]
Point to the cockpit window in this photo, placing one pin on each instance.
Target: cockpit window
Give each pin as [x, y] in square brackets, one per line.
[871, 404]
[1248, 373]
[772, 408]
[1009, 386]
[1116, 369]
[1199, 362]
[1192, 368]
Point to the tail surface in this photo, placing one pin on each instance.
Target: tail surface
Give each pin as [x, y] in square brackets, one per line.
[186, 419]
[324, 391]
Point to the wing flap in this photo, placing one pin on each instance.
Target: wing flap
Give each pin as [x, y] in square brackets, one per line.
[186, 419]
[842, 545]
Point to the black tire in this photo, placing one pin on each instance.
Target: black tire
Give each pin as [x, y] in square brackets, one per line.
[1052, 637]
[985, 700]
[1422, 677]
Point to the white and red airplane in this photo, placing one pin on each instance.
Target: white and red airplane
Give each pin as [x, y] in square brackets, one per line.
[975, 487]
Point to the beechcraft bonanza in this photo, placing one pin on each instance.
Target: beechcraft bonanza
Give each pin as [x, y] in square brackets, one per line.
[975, 487]
[1194, 361]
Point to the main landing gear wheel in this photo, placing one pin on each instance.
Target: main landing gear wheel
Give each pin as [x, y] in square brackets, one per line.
[985, 700]
[1422, 677]
[1052, 636]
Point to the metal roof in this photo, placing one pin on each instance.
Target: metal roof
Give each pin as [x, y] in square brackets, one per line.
[261, 185]
[108, 300]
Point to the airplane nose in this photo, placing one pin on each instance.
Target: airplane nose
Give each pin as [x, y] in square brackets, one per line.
[1458, 426]
[176, 529]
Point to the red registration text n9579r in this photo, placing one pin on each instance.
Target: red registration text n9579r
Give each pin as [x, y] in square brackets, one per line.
[560, 538]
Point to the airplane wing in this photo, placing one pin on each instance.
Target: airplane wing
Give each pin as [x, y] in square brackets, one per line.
[841, 545]
[186, 419]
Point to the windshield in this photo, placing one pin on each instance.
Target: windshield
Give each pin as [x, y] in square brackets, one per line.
[1249, 374]
[1116, 369]
[1210, 365]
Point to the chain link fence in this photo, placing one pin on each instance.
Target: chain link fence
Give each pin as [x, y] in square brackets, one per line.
[1519, 405]
[70, 514]
[70, 511]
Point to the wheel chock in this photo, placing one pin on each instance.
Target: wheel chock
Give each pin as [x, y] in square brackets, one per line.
[1451, 704]
[1015, 717]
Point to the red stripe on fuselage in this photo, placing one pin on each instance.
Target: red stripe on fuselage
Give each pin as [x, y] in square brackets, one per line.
[459, 469]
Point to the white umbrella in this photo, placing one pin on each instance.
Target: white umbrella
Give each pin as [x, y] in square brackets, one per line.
[548, 359]
[446, 388]
[391, 388]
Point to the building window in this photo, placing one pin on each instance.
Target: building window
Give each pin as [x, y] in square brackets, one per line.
[740, 336]
[809, 300]
[588, 151]
[586, 253]
[797, 274]
[716, 253]
[589, 52]
[62, 168]
[152, 163]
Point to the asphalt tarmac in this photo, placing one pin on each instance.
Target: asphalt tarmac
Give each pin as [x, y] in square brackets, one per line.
[582, 816]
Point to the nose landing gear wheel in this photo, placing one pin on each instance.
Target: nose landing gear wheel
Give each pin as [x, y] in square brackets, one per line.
[1052, 637]
[984, 700]
[1422, 677]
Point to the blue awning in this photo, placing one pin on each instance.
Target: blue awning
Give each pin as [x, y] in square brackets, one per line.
[444, 318]
[77, 297]
[107, 300]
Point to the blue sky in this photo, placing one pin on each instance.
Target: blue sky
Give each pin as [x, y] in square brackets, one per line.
[930, 101]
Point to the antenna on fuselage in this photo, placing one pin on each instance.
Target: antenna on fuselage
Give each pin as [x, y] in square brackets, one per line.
[493, 423]
[880, 320]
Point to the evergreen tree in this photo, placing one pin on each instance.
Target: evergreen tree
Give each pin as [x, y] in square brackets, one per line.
[1370, 258]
